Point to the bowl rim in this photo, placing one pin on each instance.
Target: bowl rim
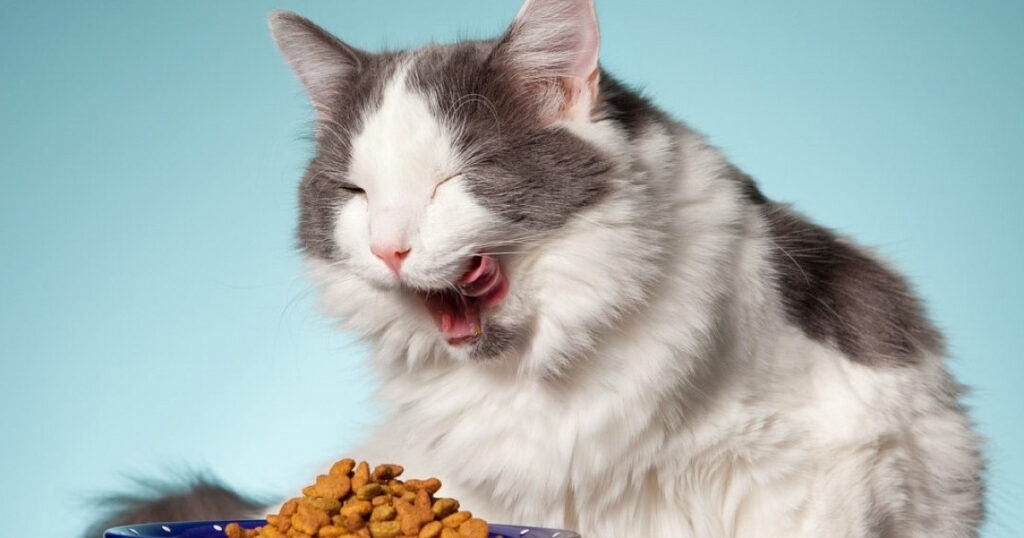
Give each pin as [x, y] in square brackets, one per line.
[171, 529]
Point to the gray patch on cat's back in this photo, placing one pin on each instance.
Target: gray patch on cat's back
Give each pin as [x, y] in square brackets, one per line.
[837, 293]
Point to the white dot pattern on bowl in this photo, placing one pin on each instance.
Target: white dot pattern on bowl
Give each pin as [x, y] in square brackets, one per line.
[211, 528]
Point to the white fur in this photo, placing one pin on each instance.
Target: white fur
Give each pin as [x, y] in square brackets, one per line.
[403, 160]
[701, 414]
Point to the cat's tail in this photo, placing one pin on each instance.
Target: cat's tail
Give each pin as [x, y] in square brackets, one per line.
[195, 496]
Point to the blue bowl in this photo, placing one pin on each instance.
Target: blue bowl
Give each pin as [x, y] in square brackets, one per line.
[215, 529]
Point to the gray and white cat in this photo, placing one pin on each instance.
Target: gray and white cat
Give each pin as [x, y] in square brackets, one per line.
[584, 317]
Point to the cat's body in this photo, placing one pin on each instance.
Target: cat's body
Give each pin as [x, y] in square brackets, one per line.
[584, 317]
[662, 352]
[709, 411]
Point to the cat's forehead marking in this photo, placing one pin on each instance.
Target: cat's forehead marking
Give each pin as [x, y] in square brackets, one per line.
[403, 148]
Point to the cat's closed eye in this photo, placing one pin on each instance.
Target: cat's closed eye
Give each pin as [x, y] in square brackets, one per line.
[352, 188]
[442, 182]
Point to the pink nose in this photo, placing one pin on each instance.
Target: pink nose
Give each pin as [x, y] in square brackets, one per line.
[391, 255]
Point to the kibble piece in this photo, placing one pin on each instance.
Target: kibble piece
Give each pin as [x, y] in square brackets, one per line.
[361, 476]
[369, 491]
[384, 512]
[329, 505]
[473, 528]
[430, 484]
[397, 487]
[415, 514]
[456, 519]
[445, 507]
[308, 519]
[385, 529]
[354, 522]
[333, 486]
[387, 471]
[431, 530]
[233, 530]
[272, 532]
[356, 506]
[331, 531]
[288, 508]
[343, 467]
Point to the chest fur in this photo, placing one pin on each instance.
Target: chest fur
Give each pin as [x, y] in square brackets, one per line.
[608, 467]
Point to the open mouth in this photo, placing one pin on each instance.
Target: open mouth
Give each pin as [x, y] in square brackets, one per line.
[456, 311]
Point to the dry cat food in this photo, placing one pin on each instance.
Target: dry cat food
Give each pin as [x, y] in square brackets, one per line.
[352, 502]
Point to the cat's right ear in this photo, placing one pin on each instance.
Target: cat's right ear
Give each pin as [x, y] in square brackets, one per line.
[322, 62]
[551, 48]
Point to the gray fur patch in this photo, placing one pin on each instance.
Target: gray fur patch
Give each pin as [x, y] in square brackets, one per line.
[531, 175]
[198, 497]
[496, 339]
[748, 187]
[321, 191]
[626, 107]
[837, 293]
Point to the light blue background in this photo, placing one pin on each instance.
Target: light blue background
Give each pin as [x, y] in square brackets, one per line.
[155, 314]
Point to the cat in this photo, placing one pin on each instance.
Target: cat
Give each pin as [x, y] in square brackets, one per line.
[584, 317]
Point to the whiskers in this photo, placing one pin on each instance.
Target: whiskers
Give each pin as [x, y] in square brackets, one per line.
[509, 252]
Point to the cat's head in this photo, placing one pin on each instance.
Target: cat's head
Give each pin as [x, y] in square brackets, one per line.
[462, 201]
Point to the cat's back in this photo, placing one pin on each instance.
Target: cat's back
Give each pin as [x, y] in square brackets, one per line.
[809, 379]
[844, 384]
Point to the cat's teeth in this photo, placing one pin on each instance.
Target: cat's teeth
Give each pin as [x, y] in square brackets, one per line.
[446, 323]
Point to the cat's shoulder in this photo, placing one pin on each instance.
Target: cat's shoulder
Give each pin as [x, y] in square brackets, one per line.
[843, 294]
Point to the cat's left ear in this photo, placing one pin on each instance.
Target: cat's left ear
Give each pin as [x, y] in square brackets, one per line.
[551, 48]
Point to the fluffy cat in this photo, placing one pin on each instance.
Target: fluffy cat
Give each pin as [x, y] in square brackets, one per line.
[585, 317]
